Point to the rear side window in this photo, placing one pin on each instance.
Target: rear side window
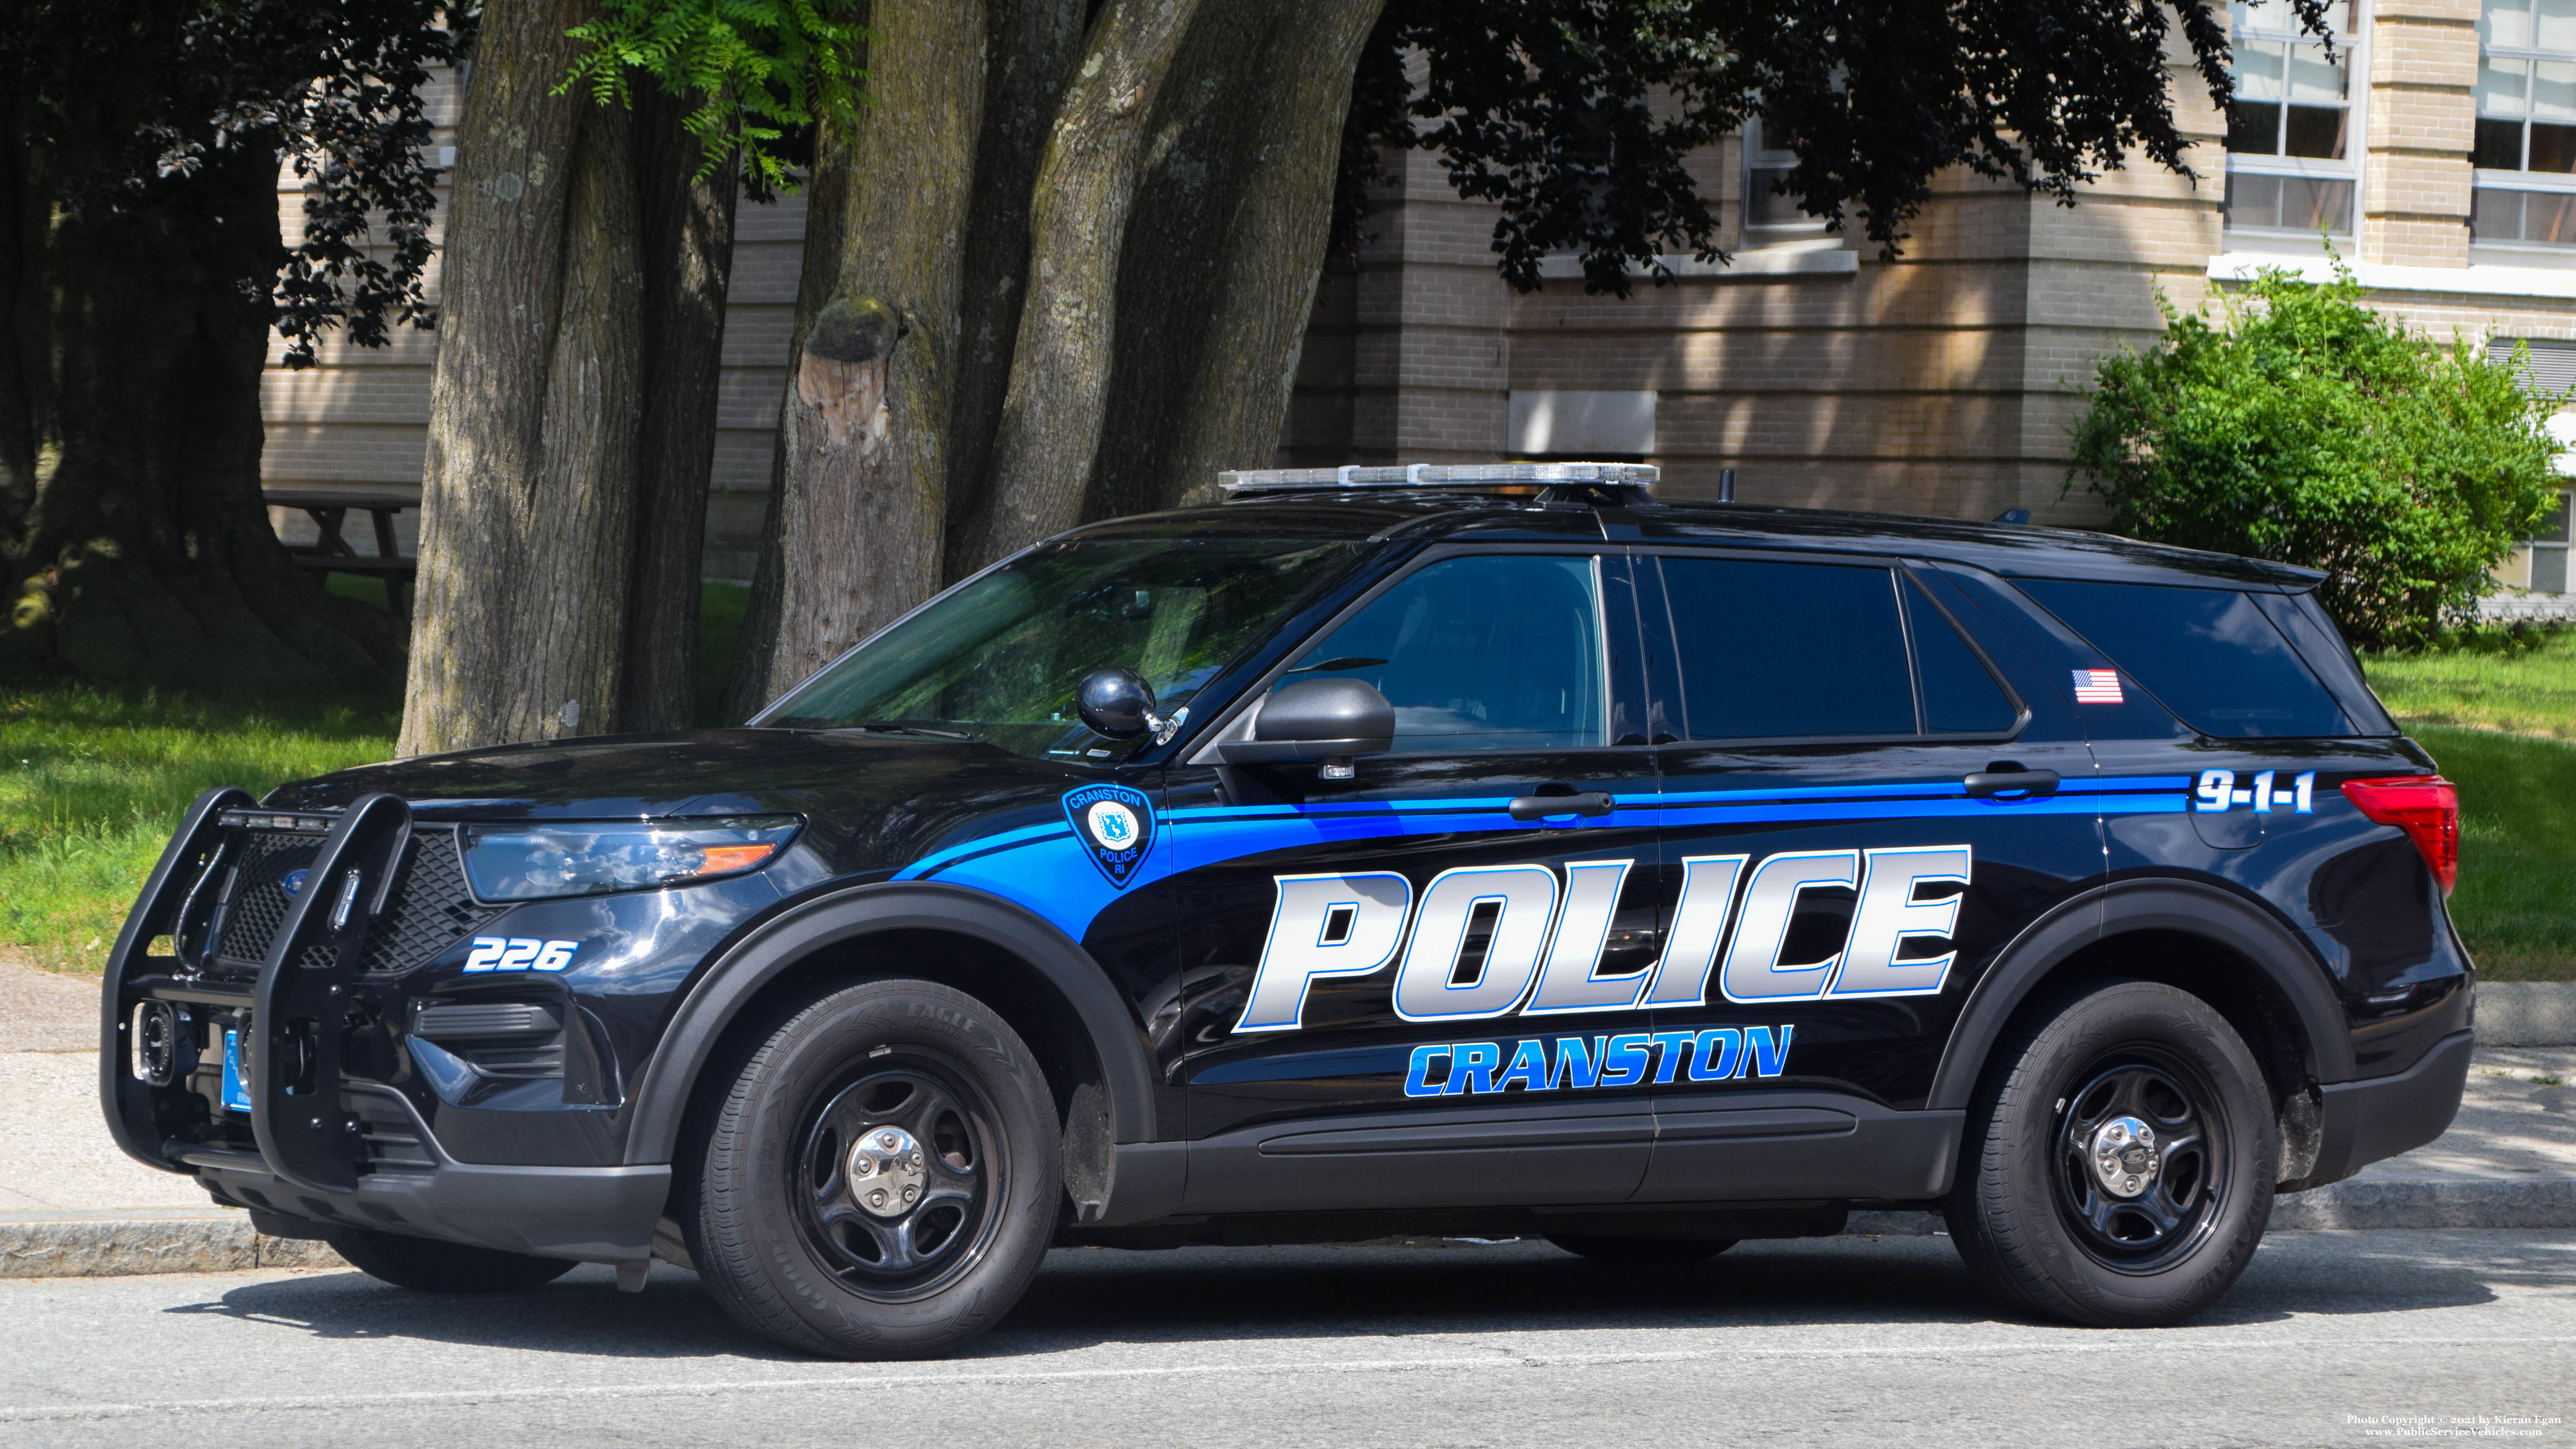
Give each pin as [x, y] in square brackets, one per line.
[1770, 650]
[2210, 655]
[1801, 650]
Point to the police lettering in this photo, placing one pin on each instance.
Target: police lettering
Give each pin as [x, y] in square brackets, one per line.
[1543, 953]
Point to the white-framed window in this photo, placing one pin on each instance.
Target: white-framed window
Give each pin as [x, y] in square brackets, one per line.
[1769, 217]
[2525, 156]
[2293, 132]
[2548, 366]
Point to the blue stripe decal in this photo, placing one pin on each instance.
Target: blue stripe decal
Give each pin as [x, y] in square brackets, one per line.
[1046, 869]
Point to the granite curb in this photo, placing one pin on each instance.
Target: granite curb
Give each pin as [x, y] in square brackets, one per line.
[2526, 1013]
[72, 1245]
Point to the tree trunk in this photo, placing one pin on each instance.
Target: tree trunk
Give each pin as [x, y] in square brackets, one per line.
[1051, 414]
[130, 353]
[1227, 244]
[1034, 47]
[859, 514]
[686, 246]
[528, 497]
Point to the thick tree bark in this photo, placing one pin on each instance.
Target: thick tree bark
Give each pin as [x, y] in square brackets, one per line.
[1223, 256]
[1034, 47]
[686, 247]
[859, 514]
[1051, 413]
[139, 552]
[528, 497]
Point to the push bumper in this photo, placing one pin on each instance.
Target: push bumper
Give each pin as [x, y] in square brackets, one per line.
[2368, 1121]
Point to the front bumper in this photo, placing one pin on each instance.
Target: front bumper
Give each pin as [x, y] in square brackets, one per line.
[589, 1214]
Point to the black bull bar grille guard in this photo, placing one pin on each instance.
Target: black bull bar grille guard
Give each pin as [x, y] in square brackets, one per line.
[298, 1002]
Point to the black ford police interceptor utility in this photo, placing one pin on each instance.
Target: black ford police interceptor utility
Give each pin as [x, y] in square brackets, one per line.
[1486, 850]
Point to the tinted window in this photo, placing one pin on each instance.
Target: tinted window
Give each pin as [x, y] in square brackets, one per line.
[998, 658]
[1960, 695]
[1501, 652]
[2209, 654]
[1769, 650]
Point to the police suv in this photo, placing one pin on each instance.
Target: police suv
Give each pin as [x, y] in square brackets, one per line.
[1448, 850]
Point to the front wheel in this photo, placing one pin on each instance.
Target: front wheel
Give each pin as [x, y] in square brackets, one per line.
[881, 1178]
[2119, 1162]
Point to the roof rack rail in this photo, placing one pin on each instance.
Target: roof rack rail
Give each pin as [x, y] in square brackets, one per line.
[1449, 477]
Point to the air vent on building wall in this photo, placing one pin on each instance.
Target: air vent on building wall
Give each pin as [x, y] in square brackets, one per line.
[2551, 364]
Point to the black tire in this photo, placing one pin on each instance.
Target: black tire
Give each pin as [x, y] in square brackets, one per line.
[2060, 1209]
[913, 1085]
[1642, 1252]
[426, 1265]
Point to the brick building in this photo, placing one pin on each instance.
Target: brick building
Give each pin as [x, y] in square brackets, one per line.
[2436, 147]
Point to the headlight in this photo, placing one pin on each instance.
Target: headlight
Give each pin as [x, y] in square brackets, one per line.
[527, 862]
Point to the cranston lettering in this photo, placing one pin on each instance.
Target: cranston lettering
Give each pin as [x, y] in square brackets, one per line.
[1665, 1058]
[1546, 935]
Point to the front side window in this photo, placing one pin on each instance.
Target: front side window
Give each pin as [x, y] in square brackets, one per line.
[997, 659]
[1492, 652]
[2525, 153]
[2290, 142]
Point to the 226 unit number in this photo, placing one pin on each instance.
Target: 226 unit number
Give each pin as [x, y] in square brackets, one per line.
[519, 953]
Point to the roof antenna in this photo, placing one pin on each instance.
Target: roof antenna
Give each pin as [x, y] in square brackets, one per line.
[1726, 485]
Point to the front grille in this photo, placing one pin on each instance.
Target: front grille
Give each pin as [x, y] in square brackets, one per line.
[430, 910]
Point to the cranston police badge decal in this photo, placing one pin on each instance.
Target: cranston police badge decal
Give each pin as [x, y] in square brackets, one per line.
[1115, 824]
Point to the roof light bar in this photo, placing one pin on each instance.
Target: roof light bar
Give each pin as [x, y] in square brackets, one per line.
[1459, 476]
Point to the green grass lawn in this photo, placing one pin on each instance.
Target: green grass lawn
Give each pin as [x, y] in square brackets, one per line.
[91, 786]
[2528, 691]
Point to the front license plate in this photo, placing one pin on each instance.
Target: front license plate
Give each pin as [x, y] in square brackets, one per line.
[236, 1092]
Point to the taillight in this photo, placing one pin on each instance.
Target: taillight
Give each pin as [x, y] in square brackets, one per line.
[2426, 807]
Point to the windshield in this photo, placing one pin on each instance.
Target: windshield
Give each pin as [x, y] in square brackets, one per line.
[998, 658]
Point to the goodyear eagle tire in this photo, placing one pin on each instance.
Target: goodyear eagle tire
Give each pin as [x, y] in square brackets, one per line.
[425, 1265]
[880, 1180]
[2119, 1160]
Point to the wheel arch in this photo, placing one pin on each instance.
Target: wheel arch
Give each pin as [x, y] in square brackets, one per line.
[830, 938]
[2130, 928]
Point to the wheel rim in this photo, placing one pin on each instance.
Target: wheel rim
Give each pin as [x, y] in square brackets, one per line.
[2141, 1170]
[898, 1177]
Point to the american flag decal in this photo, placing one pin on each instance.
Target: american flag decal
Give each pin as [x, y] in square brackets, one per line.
[2097, 686]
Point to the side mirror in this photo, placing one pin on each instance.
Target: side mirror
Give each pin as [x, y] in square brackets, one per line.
[1326, 719]
[1116, 703]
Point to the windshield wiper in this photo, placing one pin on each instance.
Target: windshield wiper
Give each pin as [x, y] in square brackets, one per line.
[882, 727]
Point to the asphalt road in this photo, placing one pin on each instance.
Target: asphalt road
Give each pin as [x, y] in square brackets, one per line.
[2331, 1338]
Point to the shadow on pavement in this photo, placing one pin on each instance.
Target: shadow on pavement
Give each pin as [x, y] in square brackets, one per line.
[1211, 1295]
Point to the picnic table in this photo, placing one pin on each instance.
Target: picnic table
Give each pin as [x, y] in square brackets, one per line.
[329, 509]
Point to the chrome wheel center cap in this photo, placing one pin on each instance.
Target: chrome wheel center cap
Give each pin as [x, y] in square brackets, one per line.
[2124, 1156]
[885, 1172]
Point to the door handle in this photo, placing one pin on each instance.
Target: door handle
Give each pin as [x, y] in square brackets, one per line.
[2029, 784]
[1540, 807]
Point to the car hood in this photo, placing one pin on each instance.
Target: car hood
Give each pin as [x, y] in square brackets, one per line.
[870, 801]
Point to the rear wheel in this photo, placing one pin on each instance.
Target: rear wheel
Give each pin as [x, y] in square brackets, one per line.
[2119, 1161]
[1642, 1252]
[426, 1265]
[881, 1178]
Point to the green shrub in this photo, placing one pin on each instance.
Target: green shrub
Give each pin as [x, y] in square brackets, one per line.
[2308, 429]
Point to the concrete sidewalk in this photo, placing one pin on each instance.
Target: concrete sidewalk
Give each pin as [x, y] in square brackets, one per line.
[71, 1204]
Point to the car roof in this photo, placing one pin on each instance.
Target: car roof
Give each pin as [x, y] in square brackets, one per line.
[1414, 516]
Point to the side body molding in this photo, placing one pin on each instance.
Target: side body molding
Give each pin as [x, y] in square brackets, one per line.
[2188, 907]
[721, 992]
